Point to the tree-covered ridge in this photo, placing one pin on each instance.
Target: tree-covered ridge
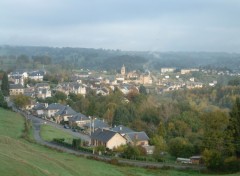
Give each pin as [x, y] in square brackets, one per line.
[103, 59]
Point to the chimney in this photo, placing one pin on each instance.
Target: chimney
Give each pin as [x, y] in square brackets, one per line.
[135, 136]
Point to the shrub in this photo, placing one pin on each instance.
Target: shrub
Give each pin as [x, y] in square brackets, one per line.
[114, 161]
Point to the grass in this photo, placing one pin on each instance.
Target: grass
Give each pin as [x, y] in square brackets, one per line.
[48, 133]
[20, 157]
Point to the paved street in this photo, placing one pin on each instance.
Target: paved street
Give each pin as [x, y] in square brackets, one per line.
[38, 121]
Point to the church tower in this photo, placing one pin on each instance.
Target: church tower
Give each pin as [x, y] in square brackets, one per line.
[123, 70]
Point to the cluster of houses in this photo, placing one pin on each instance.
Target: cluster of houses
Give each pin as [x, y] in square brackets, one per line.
[18, 77]
[100, 132]
[80, 84]
[17, 81]
[176, 82]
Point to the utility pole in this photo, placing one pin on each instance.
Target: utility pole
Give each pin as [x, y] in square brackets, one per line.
[90, 125]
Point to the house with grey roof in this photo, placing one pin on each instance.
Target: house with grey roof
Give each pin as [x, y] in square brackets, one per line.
[39, 109]
[42, 90]
[16, 89]
[71, 87]
[121, 129]
[78, 119]
[53, 108]
[16, 80]
[107, 138]
[43, 93]
[36, 75]
[102, 91]
[30, 92]
[64, 114]
[18, 77]
[137, 138]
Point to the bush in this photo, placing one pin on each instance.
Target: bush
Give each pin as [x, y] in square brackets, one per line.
[85, 149]
[180, 147]
[231, 164]
[213, 159]
[131, 152]
[76, 143]
[114, 161]
[58, 140]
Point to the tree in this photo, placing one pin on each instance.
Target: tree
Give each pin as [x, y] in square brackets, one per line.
[180, 147]
[5, 85]
[234, 82]
[3, 103]
[216, 134]
[160, 145]
[60, 96]
[234, 124]
[121, 116]
[21, 101]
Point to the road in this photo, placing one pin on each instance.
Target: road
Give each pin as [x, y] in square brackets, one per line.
[37, 122]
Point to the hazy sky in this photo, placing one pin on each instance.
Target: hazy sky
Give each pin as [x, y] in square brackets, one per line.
[151, 25]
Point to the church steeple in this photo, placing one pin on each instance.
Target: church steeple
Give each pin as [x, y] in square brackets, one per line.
[123, 70]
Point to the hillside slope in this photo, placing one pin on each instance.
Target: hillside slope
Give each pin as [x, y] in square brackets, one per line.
[19, 157]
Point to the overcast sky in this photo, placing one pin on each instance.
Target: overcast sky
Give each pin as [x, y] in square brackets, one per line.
[144, 25]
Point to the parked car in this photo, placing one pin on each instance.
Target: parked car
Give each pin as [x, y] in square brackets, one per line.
[66, 126]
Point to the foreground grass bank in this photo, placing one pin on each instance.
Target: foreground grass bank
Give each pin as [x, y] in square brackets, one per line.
[19, 157]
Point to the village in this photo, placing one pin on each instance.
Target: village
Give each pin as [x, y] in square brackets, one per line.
[99, 131]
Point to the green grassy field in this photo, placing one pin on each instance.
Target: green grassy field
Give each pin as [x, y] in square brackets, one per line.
[48, 133]
[22, 158]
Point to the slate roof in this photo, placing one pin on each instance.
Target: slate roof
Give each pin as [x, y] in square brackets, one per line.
[67, 110]
[103, 135]
[137, 136]
[98, 124]
[122, 129]
[20, 72]
[72, 85]
[55, 106]
[16, 86]
[17, 77]
[39, 106]
[78, 117]
[36, 73]
[40, 85]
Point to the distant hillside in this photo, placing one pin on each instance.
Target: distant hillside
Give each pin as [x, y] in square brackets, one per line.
[101, 59]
